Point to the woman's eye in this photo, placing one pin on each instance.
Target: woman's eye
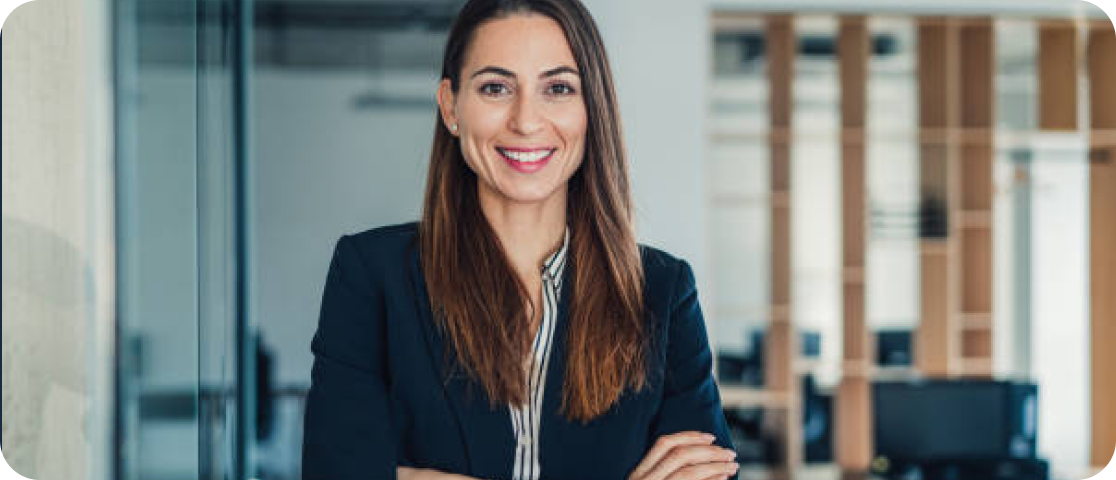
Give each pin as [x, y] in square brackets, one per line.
[561, 89]
[493, 89]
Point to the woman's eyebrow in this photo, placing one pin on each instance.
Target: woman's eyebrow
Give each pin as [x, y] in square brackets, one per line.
[495, 70]
[555, 71]
[507, 73]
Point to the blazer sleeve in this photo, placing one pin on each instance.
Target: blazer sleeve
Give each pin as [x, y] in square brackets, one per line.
[347, 431]
[691, 400]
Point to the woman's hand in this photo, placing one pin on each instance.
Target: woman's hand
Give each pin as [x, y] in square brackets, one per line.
[686, 456]
[406, 473]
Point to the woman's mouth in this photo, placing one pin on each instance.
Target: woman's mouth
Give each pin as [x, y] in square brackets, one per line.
[526, 160]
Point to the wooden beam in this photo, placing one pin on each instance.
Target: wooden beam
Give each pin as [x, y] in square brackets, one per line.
[977, 77]
[782, 338]
[854, 410]
[1102, 244]
[1057, 75]
[935, 67]
[1102, 71]
[939, 117]
[781, 49]
[853, 422]
[977, 66]
[934, 341]
[852, 53]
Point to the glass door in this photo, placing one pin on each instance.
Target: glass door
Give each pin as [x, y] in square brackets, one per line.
[179, 140]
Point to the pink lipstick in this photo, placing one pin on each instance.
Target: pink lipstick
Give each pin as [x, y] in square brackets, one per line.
[526, 160]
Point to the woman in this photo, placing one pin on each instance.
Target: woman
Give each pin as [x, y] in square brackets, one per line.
[518, 331]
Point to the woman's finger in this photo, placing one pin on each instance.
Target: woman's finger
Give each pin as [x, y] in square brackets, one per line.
[686, 455]
[404, 473]
[663, 445]
[704, 471]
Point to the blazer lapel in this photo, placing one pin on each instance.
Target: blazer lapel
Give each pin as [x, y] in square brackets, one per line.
[556, 370]
[485, 432]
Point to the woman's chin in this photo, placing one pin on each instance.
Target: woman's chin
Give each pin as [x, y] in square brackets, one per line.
[524, 194]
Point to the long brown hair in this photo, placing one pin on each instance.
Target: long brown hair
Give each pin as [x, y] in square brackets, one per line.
[479, 301]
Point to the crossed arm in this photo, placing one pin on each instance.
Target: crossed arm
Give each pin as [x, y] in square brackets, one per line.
[680, 456]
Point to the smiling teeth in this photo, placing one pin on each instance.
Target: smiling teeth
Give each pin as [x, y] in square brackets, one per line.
[527, 157]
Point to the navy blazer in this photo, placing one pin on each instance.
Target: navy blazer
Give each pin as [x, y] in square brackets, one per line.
[378, 399]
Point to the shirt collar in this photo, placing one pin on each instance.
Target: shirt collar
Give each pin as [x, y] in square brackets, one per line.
[554, 265]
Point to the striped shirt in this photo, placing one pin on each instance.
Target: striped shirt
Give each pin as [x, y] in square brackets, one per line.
[525, 419]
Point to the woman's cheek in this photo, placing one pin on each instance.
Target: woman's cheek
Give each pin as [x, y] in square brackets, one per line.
[572, 124]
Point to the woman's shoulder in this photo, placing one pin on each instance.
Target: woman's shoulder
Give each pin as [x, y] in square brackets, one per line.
[664, 272]
[387, 235]
[383, 246]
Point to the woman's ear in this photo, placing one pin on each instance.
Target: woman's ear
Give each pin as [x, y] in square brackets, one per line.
[446, 102]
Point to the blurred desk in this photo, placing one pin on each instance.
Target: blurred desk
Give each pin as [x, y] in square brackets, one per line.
[809, 472]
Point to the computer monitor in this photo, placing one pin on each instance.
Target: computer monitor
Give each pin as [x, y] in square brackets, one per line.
[954, 420]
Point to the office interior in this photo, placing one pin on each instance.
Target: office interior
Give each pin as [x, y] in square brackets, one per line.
[901, 216]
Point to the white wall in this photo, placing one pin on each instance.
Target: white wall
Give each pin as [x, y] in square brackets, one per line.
[1060, 285]
[57, 262]
[323, 168]
[662, 81]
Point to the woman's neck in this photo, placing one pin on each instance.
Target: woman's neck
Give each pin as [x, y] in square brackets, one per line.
[529, 232]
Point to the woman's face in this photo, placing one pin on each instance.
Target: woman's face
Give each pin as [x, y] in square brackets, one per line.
[519, 112]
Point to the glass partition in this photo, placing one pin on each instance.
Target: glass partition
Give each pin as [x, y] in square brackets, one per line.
[176, 203]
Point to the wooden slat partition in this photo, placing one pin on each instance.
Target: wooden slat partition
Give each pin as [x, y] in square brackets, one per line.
[1102, 240]
[853, 447]
[938, 73]
[782, 338]
[956, 120]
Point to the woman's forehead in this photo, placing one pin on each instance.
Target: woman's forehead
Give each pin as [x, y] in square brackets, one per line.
[524, 44]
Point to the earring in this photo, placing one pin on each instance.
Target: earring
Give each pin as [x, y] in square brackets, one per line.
[453, 127]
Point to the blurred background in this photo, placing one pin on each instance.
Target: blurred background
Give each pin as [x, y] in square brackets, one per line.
[902, 217]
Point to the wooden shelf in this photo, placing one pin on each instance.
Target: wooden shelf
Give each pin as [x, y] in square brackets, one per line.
[1102, 138]
[976, 321]
[974, 218]
[856, 369]
[975, 136]
[735, 200]
[743, 397]
[852, 275]
[933, 246]
[894, 373]
[741, 311]
[782, 136]
[780, 199]
[779, 313]
[975, 367]
[938, 136]
[930, 137]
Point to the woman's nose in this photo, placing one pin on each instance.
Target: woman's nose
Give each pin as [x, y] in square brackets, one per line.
[525, 116]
